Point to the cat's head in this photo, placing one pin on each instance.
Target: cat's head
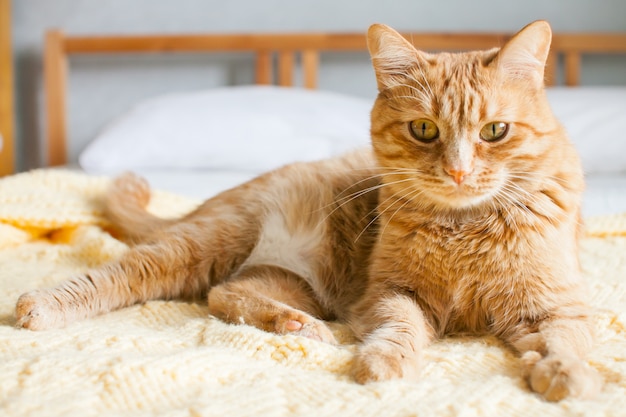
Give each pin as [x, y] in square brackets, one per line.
[457, 130]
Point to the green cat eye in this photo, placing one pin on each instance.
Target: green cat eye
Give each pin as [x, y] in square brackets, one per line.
[424, 130]
[494, 131]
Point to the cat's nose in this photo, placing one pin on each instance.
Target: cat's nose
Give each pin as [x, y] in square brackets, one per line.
[458, 175]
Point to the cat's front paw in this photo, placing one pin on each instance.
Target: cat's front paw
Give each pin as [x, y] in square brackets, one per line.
[37, 310]
[559, 377]
[382, 363]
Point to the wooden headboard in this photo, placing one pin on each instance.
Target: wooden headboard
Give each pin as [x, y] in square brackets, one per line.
[286, 50]
[7, 156]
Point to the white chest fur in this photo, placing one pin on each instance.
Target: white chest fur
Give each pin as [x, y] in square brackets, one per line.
[295, 250]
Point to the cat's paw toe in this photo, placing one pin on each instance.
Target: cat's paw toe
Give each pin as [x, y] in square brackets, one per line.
[292, 325]
[559, 378]
[317, 331]
[34, 312]
[306, 327]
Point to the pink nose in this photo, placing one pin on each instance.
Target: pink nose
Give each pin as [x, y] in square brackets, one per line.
[458, 175]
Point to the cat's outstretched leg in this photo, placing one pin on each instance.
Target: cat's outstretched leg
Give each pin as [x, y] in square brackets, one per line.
[180, 258]
[272, 299]
[185, 261]
[394, 333]
[145, 272]
[553, 356]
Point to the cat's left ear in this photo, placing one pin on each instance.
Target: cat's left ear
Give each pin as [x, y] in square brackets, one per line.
[525, 55]
[392, 55]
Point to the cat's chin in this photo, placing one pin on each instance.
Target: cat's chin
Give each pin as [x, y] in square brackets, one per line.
[460, 200]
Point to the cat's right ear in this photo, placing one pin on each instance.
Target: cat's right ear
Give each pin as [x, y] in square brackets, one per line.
[524, 55]
[392, 55]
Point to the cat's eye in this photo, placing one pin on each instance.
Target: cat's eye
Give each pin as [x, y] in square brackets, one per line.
[494, 131]
[424, 130]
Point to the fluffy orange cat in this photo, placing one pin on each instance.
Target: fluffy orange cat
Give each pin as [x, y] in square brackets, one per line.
[464, 217]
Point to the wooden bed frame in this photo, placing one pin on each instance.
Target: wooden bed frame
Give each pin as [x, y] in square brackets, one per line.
[7, 152]
[287, 51]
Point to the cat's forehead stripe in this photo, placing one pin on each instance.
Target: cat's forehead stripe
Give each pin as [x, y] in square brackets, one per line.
[461, 97]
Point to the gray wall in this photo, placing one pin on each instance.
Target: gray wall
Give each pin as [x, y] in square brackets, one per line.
[101, 88]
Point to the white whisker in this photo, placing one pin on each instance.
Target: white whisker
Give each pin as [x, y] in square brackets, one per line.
[382, 212]
[413, 195]
[347, 199]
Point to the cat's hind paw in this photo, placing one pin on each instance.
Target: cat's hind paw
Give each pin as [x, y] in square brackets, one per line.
[36, 311]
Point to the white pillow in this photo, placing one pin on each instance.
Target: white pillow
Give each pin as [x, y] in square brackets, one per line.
[248, 128]
[595, 118]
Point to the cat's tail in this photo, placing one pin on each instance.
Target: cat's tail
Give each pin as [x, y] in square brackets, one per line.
[125, 207]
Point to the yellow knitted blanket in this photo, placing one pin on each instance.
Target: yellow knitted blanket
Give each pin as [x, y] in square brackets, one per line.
[172, 358]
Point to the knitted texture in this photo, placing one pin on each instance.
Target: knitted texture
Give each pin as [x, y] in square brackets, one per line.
[171, 358]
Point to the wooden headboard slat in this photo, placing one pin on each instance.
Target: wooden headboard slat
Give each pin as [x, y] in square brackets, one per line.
[572, 68]
[286, 62]
[214, 43]
[310, 64]
[264, 67]
[287, 46]
[588, 43]
[55, 79]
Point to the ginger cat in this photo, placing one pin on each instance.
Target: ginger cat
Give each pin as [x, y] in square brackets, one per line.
[464, 217]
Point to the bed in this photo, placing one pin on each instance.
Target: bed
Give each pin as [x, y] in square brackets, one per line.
[171, 357]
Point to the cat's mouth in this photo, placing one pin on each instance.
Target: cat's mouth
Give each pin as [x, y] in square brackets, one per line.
[474, 189]
[465, 194]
